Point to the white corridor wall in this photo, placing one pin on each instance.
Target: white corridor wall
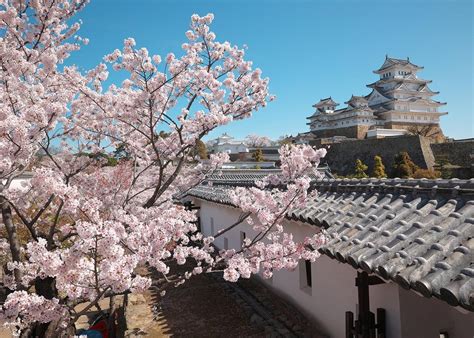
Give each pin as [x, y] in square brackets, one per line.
[333, 290]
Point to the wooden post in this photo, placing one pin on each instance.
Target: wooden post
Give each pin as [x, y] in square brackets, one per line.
[372, 324]
[362, 283]
[349, 324]
[381, 323]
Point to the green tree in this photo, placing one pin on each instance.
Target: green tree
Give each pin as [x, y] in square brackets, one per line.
[360, 169]
[200, 150]
[258, 155]
[403, 166]
[379, 168]
[444, 167]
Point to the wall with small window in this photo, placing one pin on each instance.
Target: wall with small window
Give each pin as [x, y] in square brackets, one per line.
[305, 276]
[325, 289]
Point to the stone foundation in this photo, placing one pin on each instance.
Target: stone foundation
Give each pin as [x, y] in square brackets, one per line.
[341, 157]
[436, 134]
[359, 132]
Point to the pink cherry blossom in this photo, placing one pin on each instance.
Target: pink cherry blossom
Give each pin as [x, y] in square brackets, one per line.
[108, 162]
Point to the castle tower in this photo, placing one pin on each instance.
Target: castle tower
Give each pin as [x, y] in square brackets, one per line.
[327, 105]
[400, 101]
[403, 100]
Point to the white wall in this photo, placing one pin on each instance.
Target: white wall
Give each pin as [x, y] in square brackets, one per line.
[333, 290]
[381, 132]
[18, 182]
[426, 317]
[231, 148]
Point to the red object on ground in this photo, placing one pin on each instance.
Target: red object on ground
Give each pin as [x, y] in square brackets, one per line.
[101, 326]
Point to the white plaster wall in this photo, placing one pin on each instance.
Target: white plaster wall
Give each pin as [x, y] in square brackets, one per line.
[232, 148]
[381, 132]
[18, 182]
[333, 291]
[427, 317]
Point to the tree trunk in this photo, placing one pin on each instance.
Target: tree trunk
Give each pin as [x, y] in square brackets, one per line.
[47, 288]
[12, 236]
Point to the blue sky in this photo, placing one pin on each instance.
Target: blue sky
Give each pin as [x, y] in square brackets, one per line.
[309, 49]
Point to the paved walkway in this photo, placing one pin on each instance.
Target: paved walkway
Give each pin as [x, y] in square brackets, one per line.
[207, 306]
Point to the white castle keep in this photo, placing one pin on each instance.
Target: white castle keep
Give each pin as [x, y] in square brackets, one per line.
[399, 101]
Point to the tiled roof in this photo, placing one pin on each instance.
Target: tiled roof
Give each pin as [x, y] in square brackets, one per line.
[249, 176]
[390, 62]
[417, 233]
[326, 101]
[356, 100]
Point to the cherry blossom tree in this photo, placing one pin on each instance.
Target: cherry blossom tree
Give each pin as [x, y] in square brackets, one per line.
[256, 141]
[108, 162]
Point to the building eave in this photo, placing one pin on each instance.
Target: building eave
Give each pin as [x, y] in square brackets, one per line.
[365, 245]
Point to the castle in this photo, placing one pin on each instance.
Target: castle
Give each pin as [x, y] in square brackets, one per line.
[400, 101]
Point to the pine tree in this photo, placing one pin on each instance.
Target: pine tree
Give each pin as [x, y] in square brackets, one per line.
[444, 167]
[258, 155]
[201, 149]
[360, 169]
[379, 168]
[403, 166]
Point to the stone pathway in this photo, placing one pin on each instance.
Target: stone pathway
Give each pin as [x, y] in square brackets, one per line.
[207, 306]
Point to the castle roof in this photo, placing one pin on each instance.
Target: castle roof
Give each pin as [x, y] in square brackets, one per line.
[326, 102]
[410, 79]
[424, 88]
[392, 62]
[357, 101]
[421, 100]
[355, 98]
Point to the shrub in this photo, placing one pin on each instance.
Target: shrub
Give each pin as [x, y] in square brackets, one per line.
[403, 166]
[379, 168]
[427, 173]
[360, 169]
[258, 155]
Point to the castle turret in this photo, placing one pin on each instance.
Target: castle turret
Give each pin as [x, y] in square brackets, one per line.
[326, 105]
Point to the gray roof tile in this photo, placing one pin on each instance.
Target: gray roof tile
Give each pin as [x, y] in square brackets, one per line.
[416, 233]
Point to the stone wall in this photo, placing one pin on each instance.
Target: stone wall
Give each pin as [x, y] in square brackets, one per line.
[358, 132]
[341, 157]
[459, 153]
[436, 134]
